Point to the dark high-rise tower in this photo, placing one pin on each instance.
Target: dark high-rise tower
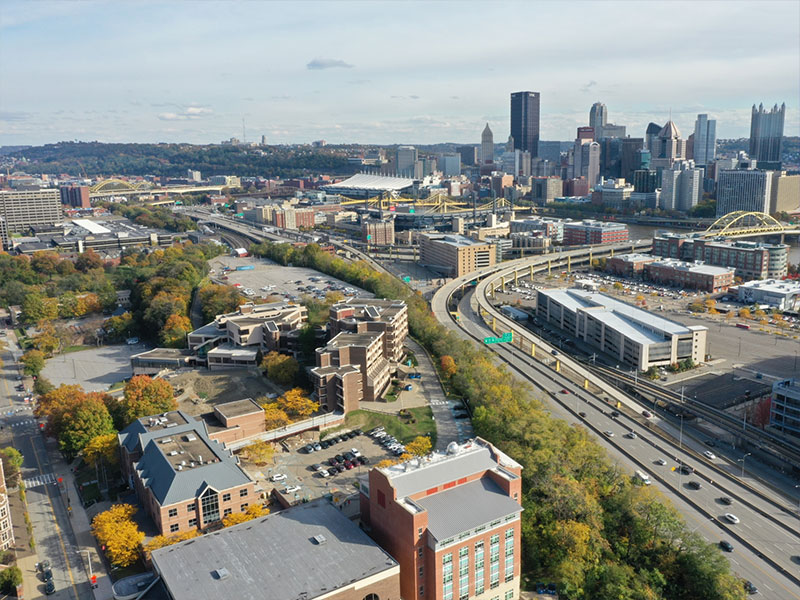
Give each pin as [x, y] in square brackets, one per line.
[766, 134]
[525, 121]
[598, 117]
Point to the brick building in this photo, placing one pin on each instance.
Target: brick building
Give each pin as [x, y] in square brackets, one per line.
[76, 196]
[589, 232]
[452, 521]
[689, 275]
[628, 265]
[6, 527]
[183, 478]
[362, 315]
[378, 233]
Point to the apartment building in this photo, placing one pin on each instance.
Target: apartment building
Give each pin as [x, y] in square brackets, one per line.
[363, 315]
[635, 336]
[590, 232]
[351, 367]
[183, 478]
[293, 218]
[785, 408]
[455, 255]
[75, 196]
[23, 209]
[377, 233]
[451, 520]
[628, 265]
[689, 275]
[751, 260]
[6, 527]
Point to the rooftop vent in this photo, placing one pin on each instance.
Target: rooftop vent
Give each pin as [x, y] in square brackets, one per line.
[191, 438]
[453, 448]
[221, 573]
[173, 453]
[165, 441]
[168, 425]
[319, 539]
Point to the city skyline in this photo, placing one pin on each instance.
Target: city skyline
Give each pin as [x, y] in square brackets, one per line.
[191, 72]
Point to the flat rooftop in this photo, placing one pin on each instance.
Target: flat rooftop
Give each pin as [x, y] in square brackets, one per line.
[238, 408]
[185, 450]
[692, 267]
[346, 338]
[776, 286]
[456, 240]
[306, 551]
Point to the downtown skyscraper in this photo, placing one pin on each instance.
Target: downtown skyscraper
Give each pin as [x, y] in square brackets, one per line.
[766, 135]
[525, 122]
[598, 117]
[705, 140]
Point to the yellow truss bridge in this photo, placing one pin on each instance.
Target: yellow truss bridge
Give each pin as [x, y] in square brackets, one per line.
[118, 185]
[743, 224]
[439, 204]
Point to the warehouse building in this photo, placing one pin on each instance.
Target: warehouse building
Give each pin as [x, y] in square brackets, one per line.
[783, 295]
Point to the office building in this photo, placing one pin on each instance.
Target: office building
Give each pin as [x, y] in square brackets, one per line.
[309, 551]
[785, 195]
[365, 315]
[784, 414]
[454, 255]
[487, 146]
[752, 260]
[744, 189]
[377, 233]
[5, 240]
[550, 228]
[549, 151]
[704, 149]
[293, 218]
[546, 189]
[689, 275]
[681, 186]
[630, 161]
[6, 527]
[450, 165]
[610, 131]
[611, 157]
[576, 187]
[451, 520]
[598, 116]
[22, 209]
[405, 160]
[667, 147]
[783, 295]
[628, 265]
[468, 154]
[613, 193]
[589, 232]
[766, 135]
[525, 121]
[231, 181]
[193, 176]
[183, 478]
[651, 135]
[75, 196]
[632, 335]
[645, 181]
[584, 158]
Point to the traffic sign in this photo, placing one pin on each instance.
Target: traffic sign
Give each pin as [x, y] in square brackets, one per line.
[406, 278]
[506, 337]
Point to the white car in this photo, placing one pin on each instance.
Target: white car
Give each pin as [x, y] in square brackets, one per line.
[709, 454]
[609, 433]
[323, 473]
[661, 462]
[292, 489]
[631, 435]
[278, 477]
[355, 452]
[731, 517]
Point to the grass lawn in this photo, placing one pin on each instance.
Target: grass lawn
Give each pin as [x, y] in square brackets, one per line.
[396, 426]
[118, 573]
[86, 478]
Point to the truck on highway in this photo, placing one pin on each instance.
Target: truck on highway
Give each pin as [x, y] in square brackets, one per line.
[643, 477]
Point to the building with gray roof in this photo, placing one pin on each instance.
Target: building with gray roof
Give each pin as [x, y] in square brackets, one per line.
[304, 552]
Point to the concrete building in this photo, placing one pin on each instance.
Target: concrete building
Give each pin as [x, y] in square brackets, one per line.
[451, 520]
[766, 135]
[628, 265]
[487, 146]
[525, 122]
[6, 527]
[779, 294]
[405, 158]
[450, 164]
[744, 189]
[785, 195]
[609, 130]
[184, 479]
[645, 181]
[378, 233]
[681, 186]
[75, 196]
[784, 414]
[194, 176]
[613, 193]
[667, 147]
[546, 189]
[752, 260]
[584, 158]
[454, 255]
[551, 228]
[23, 209]
[293, 218]
[689, 275]
[590, 232]
[704, 150]
[630, 161]
[365, 315]
[635, 336]
[309, 551]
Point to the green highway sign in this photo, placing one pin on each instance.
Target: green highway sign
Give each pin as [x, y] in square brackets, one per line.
[506, 337]
[406, 278]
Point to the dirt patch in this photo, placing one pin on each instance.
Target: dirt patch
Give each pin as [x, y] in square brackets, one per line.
[202, 390]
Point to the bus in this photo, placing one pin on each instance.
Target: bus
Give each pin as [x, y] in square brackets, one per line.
[743, 326]
[643, 477]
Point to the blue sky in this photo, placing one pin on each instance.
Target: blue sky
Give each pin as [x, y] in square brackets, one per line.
[385, 72]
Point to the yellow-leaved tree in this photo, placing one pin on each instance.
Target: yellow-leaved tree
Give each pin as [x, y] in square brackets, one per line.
[274, 416]
[297, 404]
[161, 541]
[118, 534]
[254, 511]
[419, 446]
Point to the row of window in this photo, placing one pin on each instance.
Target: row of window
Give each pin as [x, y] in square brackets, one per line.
[463, 567]
[190, 508]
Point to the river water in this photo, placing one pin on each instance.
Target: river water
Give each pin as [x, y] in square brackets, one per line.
[642, 232]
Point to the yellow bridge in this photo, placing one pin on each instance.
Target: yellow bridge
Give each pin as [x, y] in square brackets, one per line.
[438, 204]
[747, 224]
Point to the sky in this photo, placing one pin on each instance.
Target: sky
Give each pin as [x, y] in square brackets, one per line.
[385, 72]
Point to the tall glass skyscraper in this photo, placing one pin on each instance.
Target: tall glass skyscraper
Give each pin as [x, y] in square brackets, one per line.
[766, 134]
[705, 140]
[598, 117]
[525, 121]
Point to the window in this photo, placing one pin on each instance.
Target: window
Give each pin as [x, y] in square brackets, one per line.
[463, 573]
[420, 552]
[372, 597]
[422, 571]
[226, 497]
[447, 577]
[174, 527]
[419, 532]
[509, 595]
[479, 572]
[226, 512]
[209, 504]
[243, 507]
[193, 522]
[243, 492]
[422, 590]
[173, 512]
[191, 507]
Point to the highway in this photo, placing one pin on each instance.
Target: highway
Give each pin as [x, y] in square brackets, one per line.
[765, 539]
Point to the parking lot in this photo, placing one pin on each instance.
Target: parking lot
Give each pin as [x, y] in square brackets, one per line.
[268, 279]
[298, 466]
[95, 369]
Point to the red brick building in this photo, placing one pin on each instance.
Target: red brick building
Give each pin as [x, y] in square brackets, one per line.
[451, 520]
[589, 232]
[76, 196]
[689, 275]
[628, 265]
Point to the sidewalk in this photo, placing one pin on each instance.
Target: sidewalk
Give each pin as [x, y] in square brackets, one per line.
[26, 558]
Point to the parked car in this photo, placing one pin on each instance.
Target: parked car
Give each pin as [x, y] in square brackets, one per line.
[339, 458]
[317, 447]
[363, 460]
[278, 477]
[292, 489]
[325, 444]
[49, 587]
[408, 388]
[47, 574]
[332, 461]
[355, 452]
[309, 448]
[323, 473]
[333, 471]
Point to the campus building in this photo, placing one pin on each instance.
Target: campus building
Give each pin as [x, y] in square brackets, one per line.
[455, 255]
[590, 232]
[6, 528]
[451, 520]
[633, 335]
[75, 196]
[751, 260]
[183, 477]
[784, 414]
[23, 209]
[306, 552]
[780, 294]
[363, 315]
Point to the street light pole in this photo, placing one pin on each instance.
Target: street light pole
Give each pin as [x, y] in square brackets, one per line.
[680, 439]
[742, 460]
[89, 560]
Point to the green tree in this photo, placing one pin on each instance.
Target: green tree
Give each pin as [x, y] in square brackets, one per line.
[280, 368]
[10, 578]
[12, 462]
[218, 299]
[175, 329]
[42, 385]
[32, 362]
[37, 308]
[89, 420]
[87, 261]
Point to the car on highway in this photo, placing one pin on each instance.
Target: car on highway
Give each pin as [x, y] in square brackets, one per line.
[726, 545]
[615, 413]
[732, 518]
[726, 500]
[695, 485]
[647, 414]
[709, 454]
[660, 461]
[608, 433]
[582, 414]
[750, 588]
[631, 435]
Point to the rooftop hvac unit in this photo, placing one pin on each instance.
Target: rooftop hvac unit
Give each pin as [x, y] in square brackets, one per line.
[191, 438]
[165, 441]
[180, 467]
[319, 539]
[173, 453]
[221, 573]
[168, 425]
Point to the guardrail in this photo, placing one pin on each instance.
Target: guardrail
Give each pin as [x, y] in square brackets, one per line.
[291, 429]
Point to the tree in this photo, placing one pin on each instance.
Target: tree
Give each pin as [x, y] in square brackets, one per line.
[57, 404]
[274, 416]
[89, 420]
[280, 368]
[253, 511]
[116, 530]
[42, 385]
[419, 446]
[260, 452]
[144, 396]
[448, 365]
[175, 329]
[162, 541]
[102, 448]
[45, 262]
[36, 308]
[119, 327]
[10, 579]
[218, 299]
[297, 404]
[87, 261]
[162, 306]
[744, 313]
[32, 362]
[12, 462]
[46, 341]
